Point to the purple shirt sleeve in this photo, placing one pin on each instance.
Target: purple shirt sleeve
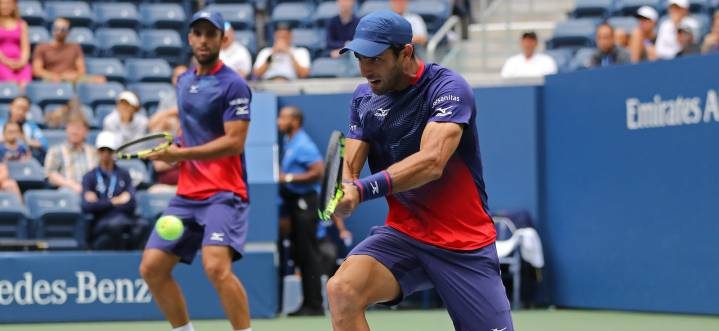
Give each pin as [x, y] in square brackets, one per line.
[237, 104]
[452, 101]
[355, 130]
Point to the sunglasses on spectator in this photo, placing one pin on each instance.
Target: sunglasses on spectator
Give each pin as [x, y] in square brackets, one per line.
[60, 29]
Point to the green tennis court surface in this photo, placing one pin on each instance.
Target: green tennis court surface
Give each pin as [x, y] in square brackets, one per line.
[432, 320]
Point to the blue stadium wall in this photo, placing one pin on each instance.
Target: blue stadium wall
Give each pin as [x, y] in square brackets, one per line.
[624, 199]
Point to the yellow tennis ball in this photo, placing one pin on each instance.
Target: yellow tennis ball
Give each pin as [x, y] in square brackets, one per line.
[169, 227]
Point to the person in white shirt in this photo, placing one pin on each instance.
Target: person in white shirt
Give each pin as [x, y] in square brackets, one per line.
[529, 63]
[126, 120]
[282, 61]
[235, 55]
[667, 45]
[419, 28]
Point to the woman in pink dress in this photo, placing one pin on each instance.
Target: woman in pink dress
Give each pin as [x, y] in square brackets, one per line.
[14, 45]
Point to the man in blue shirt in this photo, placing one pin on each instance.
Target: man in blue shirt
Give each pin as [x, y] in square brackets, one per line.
[302, 169]
[108, 194]
[341, 28]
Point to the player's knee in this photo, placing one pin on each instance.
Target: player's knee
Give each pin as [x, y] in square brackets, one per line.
[216, 271]
[343, 295]
[151, 272]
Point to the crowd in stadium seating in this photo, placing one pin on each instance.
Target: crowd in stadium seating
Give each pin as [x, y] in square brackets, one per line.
[613, 32]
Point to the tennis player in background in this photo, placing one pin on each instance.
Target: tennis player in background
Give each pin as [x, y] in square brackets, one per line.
[415, 124]
[212, 199]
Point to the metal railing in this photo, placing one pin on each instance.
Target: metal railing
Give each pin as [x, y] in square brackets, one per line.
[452, 24]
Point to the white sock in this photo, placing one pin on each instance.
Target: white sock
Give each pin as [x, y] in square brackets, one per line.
[248, 329]
[186, 327]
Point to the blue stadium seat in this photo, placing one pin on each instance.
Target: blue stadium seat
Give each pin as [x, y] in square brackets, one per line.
[117, 14]
[13, 217]
[77, 12]
[626, 23]
[4, 110]
[35, 115]
[312, 39]
[248, 39]
[84, 37]
[111, 68]
[96, 94]
[326, 67]
[324, 12]
[28, 174]
[582, 58]
[592, 8]
[241, 16]
[562, 57]
[151, 205]
[161, 43]
[43, 93]
[295, 14]
[630, 7]
[138, 172]
[54, 136]
[118, 42]
[372, 6]
[57, 217]
[37, 35]
[163, 15]
[31, 11]
[101, 112]
[702, 6]
[92, 136]
[8, 92]
[573, 34]
[433, 12]
[147, 70]
[150, 94]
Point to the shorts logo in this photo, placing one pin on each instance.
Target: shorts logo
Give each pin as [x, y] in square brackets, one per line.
[194, 89]
[217, 236]
[499, 329]
[381, 112]
[442, 112]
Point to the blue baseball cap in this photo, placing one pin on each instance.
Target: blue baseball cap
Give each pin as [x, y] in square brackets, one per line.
[213, 17]
[377, 31]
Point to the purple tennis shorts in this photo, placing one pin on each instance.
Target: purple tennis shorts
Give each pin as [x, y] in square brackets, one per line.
[469, 282]
[220, 220]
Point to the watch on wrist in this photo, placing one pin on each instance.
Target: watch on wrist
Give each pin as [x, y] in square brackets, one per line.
[288, 178]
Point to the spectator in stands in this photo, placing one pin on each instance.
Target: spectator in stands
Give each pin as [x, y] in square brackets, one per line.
[685, 36]
[621, 38]
[59, 60]
[529, 63]
[8, 184]
[667, 42]
[301, 171]
[711, 41]
[235, 55]
[419, 28]
[607, 53]
[13, 149]
[282, 61]
[126, 120]
[341, 28]
[14, 45]
[32, 134]
[642, 42]
[108, 195]
[66, 163]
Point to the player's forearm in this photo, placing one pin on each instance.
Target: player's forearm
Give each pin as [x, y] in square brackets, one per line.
[416, 170]
[220, 147]
[356, 152]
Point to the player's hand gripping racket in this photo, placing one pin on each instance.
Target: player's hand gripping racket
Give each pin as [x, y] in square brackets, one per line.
[142, 147]
[331, 193]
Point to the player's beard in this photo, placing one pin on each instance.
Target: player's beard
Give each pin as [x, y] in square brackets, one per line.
[393, 79]
[210, 59]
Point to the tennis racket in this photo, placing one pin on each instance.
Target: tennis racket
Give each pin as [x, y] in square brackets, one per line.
[142, 147]
[331, 192]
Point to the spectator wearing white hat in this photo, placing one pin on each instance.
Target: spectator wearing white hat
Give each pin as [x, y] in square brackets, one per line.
[126, 120]
[685, 36]
[667, 42]
[108, 195]
[643, 39]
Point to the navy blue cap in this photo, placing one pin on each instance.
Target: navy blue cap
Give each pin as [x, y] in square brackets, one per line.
[377, 31]
[213, 17]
